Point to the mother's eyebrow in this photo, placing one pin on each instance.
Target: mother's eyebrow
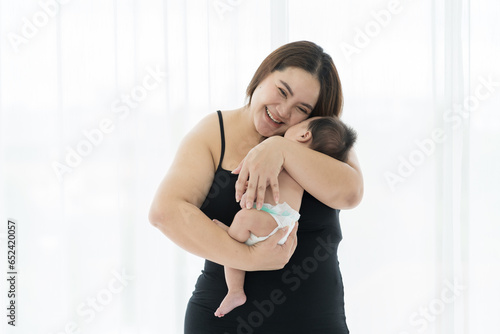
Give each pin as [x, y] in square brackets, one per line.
[291, 93]
[307, 105]
[287, 87]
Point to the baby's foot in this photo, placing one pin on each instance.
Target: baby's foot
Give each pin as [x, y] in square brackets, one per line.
[230, 302]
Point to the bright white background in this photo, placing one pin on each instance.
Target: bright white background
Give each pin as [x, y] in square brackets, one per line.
[420, 254]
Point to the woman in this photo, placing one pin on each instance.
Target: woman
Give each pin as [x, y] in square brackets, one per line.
[290, 288]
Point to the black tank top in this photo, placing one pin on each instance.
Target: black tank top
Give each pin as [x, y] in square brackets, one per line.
[305, 297]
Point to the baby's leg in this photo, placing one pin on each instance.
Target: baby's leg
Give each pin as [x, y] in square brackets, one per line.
[235, 295]
[234, 279]
[260, 223]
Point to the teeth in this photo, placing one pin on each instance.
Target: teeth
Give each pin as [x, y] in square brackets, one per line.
[271, 116]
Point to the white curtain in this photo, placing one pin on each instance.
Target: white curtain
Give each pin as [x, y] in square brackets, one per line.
[96, 95]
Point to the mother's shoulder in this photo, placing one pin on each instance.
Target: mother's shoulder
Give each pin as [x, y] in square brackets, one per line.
[208, 126]
[211, 120]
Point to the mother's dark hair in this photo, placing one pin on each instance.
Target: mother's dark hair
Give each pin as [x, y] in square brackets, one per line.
[312, 59]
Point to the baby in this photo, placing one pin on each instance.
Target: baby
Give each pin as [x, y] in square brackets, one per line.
[327, 135]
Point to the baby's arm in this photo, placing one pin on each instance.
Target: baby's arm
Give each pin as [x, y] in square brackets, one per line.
[290, 191]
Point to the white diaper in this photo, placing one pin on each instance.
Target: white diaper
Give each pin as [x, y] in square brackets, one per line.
[284, 215]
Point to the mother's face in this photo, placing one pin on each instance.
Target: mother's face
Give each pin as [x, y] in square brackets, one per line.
[283, 99]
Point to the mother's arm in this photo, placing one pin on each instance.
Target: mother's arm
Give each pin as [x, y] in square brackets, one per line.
[334, 183]
[175, 208]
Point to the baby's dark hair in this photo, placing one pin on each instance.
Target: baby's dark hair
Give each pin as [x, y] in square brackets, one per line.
[332, 137]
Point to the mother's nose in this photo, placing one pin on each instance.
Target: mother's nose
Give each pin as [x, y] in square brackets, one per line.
[283, 110]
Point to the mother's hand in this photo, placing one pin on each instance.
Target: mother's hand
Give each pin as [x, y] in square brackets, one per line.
[269, 255]
[260, 168]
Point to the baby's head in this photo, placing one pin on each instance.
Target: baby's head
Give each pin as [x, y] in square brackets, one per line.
[328, 135]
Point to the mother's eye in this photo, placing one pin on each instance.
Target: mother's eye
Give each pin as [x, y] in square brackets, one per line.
[282, 92]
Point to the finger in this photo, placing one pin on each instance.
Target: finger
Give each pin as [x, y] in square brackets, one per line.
[251, 190]
[241, 183]
[221, 224]
[276, 237]
[275, 188]
[261, 193]
[292, 239]
[243, 201]
[238, 169]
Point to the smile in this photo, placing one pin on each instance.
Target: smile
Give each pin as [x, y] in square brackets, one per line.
[272, 118]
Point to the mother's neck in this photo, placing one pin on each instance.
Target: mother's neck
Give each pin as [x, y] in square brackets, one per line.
[247, 125]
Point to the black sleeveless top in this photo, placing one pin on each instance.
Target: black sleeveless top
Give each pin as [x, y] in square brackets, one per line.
[305, 297]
